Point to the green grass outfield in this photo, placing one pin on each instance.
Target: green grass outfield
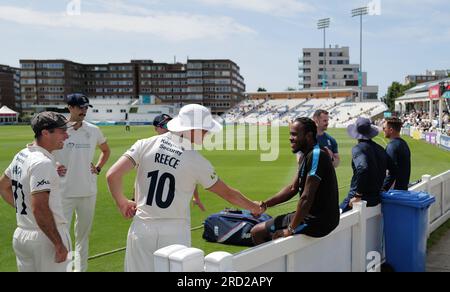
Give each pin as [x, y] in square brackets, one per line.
[240, 169]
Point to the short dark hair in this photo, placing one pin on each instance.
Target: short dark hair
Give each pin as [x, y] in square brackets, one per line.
[394, 123]
[308, 125]
[318, 112]
[38, 135]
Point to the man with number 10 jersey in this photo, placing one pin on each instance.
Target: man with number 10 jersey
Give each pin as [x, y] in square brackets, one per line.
[168, 170]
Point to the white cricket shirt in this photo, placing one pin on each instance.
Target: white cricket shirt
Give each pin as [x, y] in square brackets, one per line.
[77, 156]
[166, 177]
[33, 170]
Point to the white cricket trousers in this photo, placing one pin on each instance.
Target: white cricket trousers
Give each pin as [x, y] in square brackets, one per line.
[36, 253]
[146, 237]
[84, 209]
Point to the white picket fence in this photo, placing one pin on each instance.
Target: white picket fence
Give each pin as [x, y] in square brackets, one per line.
[356, 245]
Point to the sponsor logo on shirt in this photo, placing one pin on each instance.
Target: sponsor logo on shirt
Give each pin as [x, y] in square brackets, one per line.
[72, 145]
[43, 183]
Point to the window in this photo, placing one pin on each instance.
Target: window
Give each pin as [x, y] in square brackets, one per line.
[27, 65]
[336, 54]
[50, 65]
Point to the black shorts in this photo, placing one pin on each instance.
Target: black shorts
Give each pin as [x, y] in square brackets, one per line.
[310, 226]
[282, 222]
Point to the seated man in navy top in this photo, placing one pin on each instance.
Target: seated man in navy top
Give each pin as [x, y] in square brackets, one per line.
[317, 211]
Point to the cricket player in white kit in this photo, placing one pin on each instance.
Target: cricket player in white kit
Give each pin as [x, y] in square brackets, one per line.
[168, 170]
[31, 185]
[79, 174]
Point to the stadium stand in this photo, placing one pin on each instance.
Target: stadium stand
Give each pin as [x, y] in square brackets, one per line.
[283, 111]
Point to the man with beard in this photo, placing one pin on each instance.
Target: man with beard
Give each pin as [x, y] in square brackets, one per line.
[317, 212]
[79, 173]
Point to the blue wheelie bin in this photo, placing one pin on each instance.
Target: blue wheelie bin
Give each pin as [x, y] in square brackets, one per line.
[405, 215]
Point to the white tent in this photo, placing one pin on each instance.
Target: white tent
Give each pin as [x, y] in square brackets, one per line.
[7, 115]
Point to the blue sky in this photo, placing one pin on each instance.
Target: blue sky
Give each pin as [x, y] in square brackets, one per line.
[264, 37]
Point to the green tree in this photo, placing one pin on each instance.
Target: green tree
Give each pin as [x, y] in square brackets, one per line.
[395, 91]
[290, 89]
[261, 89]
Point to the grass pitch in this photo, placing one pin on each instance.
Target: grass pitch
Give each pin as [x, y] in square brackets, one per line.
[240, 169]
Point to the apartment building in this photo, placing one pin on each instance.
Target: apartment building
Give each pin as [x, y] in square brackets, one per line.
[10, 87]
[214, 83]
[110, 81]
[331, 68]
[218, 82]
[47, 82]
[168, 82]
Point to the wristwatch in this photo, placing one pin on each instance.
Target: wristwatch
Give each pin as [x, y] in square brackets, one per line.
[99, 169]
[290, 229]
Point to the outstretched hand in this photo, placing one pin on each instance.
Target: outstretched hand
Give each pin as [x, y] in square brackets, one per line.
[257, 210]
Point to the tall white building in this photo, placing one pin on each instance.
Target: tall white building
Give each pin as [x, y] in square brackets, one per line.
[335, 63]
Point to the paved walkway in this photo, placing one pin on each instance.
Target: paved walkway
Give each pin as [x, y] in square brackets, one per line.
[438, 257]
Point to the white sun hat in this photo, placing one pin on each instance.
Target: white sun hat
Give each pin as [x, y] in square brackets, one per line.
[194, 117]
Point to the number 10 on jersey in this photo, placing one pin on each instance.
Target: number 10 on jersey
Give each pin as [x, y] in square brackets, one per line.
[157, 189]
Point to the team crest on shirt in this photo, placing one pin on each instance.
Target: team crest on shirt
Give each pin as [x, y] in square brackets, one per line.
[17, 170]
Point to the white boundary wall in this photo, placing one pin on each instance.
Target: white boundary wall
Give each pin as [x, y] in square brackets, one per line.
[356, 245]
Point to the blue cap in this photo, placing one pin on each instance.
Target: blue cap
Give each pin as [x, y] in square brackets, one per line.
[161, 120]
[78, 99]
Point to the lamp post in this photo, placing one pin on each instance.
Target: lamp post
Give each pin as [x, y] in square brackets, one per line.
[360, 12]
[324, 24]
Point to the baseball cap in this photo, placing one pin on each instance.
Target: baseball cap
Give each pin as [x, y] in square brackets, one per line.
[194, 117]
[48, 121]
[161, 120]
[78, 99]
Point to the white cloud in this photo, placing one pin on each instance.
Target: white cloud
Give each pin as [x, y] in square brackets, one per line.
[172, 26]
[273, 7]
